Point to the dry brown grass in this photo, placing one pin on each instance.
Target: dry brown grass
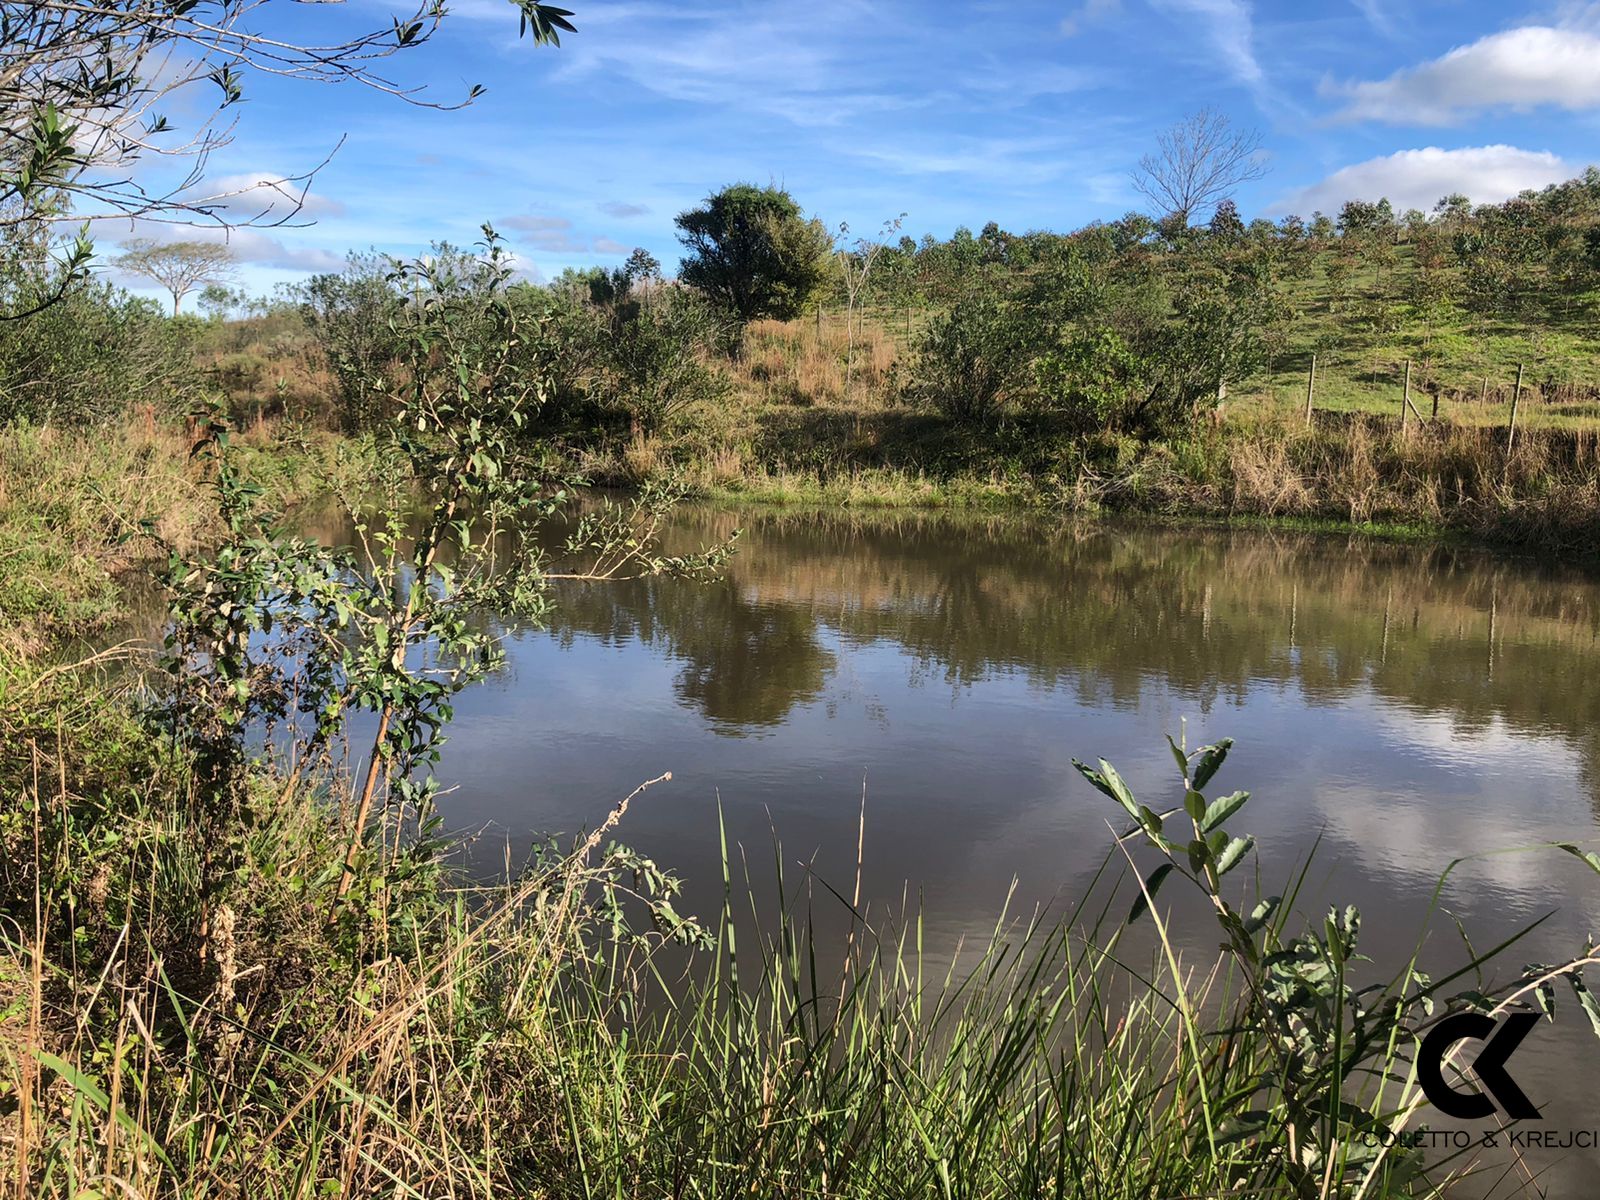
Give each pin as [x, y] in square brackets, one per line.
[793, 362]
[80, 506]
[1543, 494]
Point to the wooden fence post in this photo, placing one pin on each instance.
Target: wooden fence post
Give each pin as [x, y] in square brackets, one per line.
[1311, 387]
[1516, 395]
[1405, 397]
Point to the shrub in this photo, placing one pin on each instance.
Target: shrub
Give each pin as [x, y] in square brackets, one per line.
[976, 358]
[655, 363]
[350, 314]
[93, 356]
[753, 254]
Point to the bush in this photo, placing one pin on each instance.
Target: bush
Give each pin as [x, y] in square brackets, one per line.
[97, 354]
[655, 363]
[350, 315]
[976, 358]
[753, 254]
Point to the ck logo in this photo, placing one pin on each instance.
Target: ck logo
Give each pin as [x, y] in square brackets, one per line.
[1500, 1040]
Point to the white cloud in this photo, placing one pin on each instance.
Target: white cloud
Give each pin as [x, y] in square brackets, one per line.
[524, 268]
[622, 210]
[552, 235]
[267, 196]
[249, 246]
[610, 246]
[1419, 178]
[1519, 69]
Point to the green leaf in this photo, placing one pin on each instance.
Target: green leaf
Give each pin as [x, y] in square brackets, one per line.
[1591, 1007]
[1152, 885]
[1219, 811]
[1109, 782]
[1211, 760]
[1262, 913]
[1230, 856]
[1587, 856]
[1179, 757]
[91, 1091]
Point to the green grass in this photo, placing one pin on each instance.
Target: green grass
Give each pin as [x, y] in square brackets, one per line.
[82, 509]
[1363, 370]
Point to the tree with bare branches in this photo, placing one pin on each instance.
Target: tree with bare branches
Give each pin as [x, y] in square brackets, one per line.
[180, 267]
[88, 90]
[1198, 163]
[855, 266]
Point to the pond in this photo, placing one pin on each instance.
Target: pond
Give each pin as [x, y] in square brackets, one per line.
[1397, 706]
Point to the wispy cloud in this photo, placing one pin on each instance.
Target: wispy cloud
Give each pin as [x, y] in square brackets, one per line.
[1229, 28]
[622, 210]
[811, 65]
[1087, 14]
[1378, 15]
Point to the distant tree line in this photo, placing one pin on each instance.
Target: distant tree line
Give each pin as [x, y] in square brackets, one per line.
[1139, 325]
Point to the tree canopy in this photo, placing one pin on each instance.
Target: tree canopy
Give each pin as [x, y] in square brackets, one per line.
[180, 267]
[752, 252]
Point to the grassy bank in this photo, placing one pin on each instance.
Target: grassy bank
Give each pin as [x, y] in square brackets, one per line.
[794, 431]
[206, 992]
[82, 509]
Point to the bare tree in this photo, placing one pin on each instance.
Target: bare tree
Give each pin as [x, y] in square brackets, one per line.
[855, 264]
[1197, 164]
[180, 267]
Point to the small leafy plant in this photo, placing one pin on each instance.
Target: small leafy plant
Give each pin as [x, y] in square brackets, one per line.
[1311, 1069]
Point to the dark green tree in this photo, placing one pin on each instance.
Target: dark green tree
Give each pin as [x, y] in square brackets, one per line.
[752, 252]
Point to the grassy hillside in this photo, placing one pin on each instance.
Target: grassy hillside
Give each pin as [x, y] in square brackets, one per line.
[1469, 361]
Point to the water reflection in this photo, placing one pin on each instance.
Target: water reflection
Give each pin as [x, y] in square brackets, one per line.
[1400, 707]
[1108, 613]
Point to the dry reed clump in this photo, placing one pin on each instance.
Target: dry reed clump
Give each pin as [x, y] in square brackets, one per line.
[643, 457]
[793, 362]
[1266, 479]
[1362, 470]
[76, 503]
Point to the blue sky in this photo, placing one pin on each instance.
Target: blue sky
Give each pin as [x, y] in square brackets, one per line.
[1029, 114]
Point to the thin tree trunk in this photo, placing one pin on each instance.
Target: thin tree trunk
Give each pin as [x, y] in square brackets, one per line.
[1405, 397]
[397, 663]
